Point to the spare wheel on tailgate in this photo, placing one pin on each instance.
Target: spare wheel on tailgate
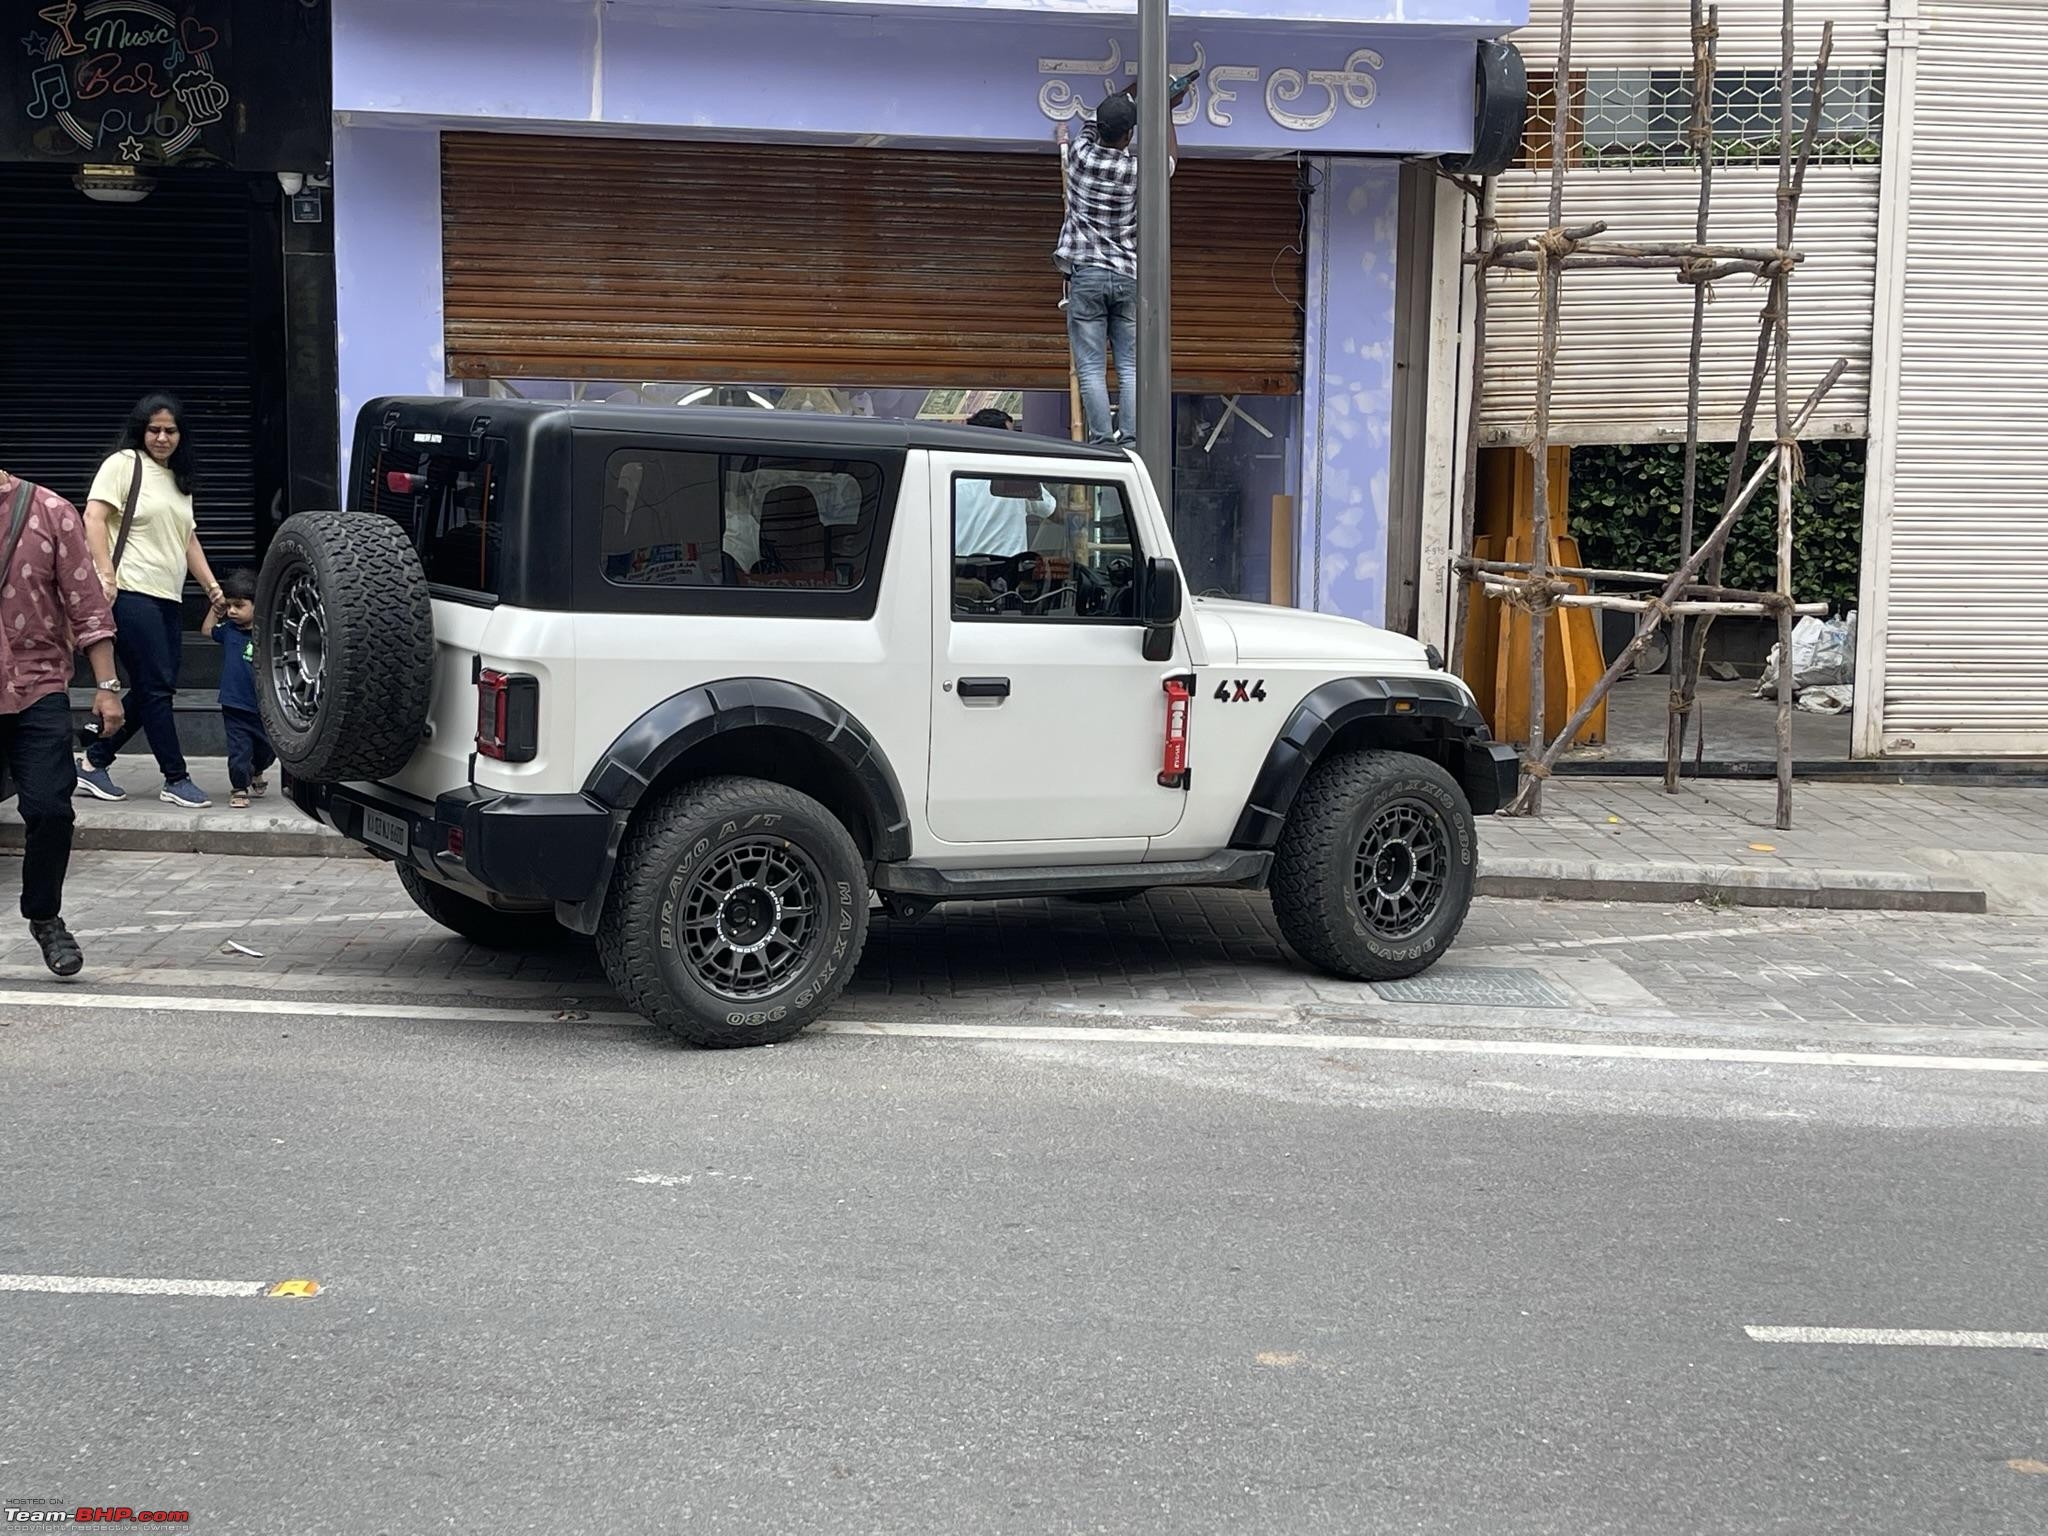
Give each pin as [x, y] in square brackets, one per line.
[344, 646]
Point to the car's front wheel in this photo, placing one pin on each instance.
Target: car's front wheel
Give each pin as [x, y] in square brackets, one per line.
[1376, 864]
[737, 913]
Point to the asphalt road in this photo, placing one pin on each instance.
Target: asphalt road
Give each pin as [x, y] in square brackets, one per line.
[576, 1279]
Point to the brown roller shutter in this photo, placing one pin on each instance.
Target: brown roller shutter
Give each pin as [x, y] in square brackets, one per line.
[604, 258]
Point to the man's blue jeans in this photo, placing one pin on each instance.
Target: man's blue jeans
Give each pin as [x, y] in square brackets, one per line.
[1102, 307]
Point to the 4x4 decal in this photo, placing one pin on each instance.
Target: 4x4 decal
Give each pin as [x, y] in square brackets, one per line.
[1241, 691]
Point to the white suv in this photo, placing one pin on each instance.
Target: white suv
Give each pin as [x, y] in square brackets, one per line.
[707, 683]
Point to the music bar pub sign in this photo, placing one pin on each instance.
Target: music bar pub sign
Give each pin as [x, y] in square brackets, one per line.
[121, 82]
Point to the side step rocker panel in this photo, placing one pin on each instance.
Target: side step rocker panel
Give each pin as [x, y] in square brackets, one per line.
[1233, 868]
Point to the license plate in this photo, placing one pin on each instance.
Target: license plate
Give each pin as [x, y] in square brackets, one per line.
[391, 833]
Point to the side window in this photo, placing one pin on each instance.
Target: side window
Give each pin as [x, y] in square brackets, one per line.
[448, 503]
[674, 518]
[1042, 549]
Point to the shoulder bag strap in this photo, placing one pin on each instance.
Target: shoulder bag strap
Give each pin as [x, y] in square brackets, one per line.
[24, 493]
[128, 512]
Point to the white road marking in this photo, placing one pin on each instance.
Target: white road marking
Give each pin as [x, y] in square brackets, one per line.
[289, 1008]
[115, 1285]
[1944, 1338]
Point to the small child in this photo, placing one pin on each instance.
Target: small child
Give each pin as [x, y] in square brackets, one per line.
[249, 751]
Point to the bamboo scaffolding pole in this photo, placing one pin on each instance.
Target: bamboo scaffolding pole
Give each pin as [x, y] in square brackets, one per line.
[1706, 34]
[1548, 296]
[1687, 269]
[1676, 253]
[1788, 449]
[1536, 771]
[1575, 234]
[1583, 572]
[1520, 568]
[1695, 659]
[1606, 600]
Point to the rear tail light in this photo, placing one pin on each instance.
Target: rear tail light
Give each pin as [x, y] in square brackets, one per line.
[507, 716]
[1173, 767]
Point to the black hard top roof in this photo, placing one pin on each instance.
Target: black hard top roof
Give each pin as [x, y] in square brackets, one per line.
[727, 423]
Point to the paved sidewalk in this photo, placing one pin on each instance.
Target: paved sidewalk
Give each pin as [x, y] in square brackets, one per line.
[1905, 847]
[1897, 847]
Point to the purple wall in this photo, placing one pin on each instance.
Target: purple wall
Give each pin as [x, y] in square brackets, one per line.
[1348, 394]
[387, 267]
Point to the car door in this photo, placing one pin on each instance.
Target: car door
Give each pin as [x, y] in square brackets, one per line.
[1048, 723]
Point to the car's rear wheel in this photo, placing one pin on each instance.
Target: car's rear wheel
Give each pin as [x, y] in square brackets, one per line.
[477, 922]
[737, 913]
[1376, 864]
[344, 647]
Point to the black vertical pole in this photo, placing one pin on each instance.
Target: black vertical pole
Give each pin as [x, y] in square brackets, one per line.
[1155, 244]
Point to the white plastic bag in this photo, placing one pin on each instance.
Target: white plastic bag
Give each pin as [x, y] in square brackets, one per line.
[1831, 699]
[1823, 656]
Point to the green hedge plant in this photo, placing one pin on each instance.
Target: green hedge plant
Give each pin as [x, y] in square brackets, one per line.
[1626, 498]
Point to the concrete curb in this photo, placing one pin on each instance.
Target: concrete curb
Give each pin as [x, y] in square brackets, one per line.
[1739, 885]
[273, 832]
[257, 833]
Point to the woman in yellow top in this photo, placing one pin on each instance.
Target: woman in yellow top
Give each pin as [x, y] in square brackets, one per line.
[153, 463]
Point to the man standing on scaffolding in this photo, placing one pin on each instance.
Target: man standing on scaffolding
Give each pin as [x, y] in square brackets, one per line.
[1098, 249]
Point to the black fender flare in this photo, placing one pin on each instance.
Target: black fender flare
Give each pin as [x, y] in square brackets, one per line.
[1317, 721]
[683, 721]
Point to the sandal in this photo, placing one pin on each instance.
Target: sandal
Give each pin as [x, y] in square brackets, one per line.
[259, 786]
[239, 799]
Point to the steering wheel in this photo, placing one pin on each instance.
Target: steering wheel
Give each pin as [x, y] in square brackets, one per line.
[1123, 588]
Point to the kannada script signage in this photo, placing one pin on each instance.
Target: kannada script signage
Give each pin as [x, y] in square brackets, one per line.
[1297, 100]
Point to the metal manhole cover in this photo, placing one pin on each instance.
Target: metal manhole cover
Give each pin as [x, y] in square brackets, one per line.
[1475, 987]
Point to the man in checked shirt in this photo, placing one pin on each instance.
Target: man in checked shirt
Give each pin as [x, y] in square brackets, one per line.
[1098, 247]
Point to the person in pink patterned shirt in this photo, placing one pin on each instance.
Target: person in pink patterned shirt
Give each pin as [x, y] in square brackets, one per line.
[51, 607]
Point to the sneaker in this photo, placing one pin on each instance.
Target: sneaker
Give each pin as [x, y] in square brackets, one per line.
[60, 951]
[98, 783]
[184, 794]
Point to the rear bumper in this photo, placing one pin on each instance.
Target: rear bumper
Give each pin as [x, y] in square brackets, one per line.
[506, 850]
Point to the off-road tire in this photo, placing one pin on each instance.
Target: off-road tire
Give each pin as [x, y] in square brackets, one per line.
[480, 924]
[673, 855]
[1315, 866]
[377, 646]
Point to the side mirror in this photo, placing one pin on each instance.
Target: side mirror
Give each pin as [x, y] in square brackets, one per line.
[1162, 593]
[1160, 604]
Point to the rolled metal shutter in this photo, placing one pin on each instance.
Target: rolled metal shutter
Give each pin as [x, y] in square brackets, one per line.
[107, 302]
[606, 258]
[1626, 335]
[1966, 621]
